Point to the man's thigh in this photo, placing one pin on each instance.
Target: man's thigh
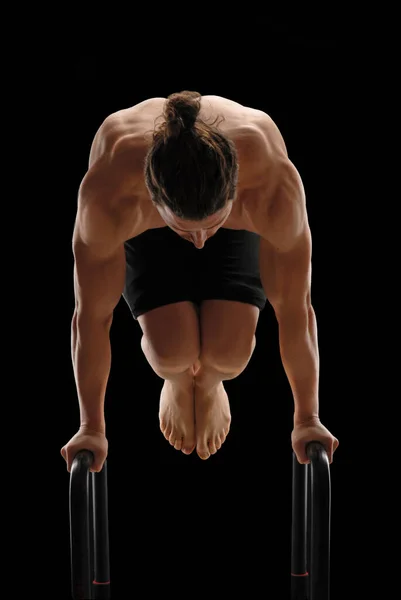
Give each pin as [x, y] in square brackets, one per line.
[227, 333]
[171, 334]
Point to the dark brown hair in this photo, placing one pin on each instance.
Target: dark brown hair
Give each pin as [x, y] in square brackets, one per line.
[191, 167]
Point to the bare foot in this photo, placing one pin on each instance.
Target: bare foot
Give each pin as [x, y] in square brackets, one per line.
[213, 418]
[177, 415]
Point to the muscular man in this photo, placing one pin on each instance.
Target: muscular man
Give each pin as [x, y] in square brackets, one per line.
[192, 210]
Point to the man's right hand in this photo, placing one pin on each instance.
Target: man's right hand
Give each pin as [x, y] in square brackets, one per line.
[87, 439]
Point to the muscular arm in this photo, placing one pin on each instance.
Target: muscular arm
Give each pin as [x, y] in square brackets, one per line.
[99, 275]
[98, 283]
[285, 267]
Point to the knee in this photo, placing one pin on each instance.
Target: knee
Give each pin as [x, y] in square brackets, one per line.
[229, 359]
[170, 355]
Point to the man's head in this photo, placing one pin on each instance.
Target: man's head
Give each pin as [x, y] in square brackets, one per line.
[191, 170]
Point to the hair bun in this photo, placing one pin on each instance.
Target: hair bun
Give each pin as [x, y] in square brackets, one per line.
[181, 111]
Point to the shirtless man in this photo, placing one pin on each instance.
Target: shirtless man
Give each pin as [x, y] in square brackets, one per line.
[192, 210]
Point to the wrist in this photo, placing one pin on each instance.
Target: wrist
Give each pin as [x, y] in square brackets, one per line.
[93, 427]
[305, 418]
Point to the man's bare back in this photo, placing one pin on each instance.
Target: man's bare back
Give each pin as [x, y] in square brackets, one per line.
[261, 155]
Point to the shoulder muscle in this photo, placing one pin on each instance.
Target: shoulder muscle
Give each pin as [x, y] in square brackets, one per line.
[286, 217]
[96, 222]
[106, 137]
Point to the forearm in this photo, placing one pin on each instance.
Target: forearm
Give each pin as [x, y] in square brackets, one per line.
[300, 357]
[91, 358]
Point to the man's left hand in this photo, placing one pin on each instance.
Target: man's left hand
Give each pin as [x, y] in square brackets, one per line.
[312, 430]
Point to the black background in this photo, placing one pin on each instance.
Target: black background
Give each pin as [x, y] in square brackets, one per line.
[180, 526]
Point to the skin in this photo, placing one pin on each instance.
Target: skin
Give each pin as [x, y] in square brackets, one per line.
[114, 205]
[196, 232]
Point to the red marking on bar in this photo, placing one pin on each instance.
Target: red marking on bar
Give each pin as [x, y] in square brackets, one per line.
[300, 574]
[101, 582]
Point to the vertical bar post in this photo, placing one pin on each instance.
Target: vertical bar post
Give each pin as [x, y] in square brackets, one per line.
[81, 580]
[320, 522]
[311, 581]
[101, 581]
[299, 567]
[89, 533]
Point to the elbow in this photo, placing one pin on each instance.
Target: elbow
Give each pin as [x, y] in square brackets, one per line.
[84, 316]
[297, 310]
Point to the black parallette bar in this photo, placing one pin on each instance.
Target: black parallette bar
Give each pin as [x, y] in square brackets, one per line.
[311, 581]
[89, 528]
[320, 522]
[101, 533]
[299, 567]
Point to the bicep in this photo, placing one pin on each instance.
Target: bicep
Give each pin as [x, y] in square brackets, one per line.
[98, 243]
[286, 245]
[99, 253]
[286, 275]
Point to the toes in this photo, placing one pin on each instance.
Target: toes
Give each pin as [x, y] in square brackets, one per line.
[178, 443]
[212, 446]
[203, 451]
[223, 436]
[220, 440]
[167, 432]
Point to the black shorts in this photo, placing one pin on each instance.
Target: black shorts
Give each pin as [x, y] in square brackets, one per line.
[163, 268]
